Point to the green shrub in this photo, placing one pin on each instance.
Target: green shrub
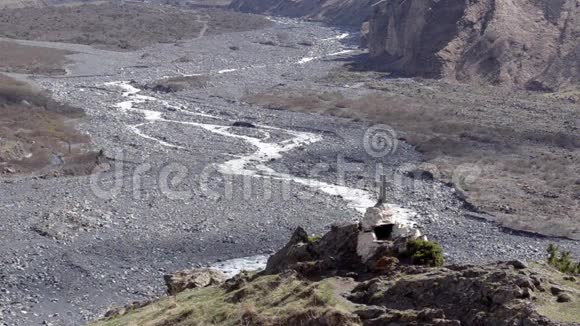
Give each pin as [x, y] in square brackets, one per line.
[423, 252]
[562, 261]
[314, 238]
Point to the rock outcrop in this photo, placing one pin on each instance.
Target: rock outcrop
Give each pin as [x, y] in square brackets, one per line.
[346, 248]
[495, 294]
[334, 252]
[389, 291]
[192, 279]
[530, 43]
[305, 284]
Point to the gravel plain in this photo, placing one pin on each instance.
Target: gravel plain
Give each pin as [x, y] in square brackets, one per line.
[70, 249]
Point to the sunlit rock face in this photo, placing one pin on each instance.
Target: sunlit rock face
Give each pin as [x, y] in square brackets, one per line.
[525, 44]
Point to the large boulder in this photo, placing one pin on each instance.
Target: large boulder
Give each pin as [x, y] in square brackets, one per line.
[338, 247]
[334, 252]
[191, 279]
[296, 250]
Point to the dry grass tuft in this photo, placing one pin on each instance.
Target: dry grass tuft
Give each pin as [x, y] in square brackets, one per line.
[38, 134]
[266, 300]
[120, 26]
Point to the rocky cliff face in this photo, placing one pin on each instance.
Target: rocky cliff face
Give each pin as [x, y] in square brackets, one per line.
[530, 43]
[347, 12]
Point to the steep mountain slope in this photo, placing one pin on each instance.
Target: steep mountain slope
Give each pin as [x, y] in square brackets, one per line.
[531, 44]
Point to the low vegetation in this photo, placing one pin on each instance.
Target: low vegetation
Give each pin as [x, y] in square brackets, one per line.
[259, 300]
[314, 238]
[13, 92]
[223, 21]
[120, 26]
[26, 59]
[427, 253]
[562, 261]
[570, 94]
[37, 134]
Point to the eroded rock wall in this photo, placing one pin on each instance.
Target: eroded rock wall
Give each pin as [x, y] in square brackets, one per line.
[533, 44]
[526, 44]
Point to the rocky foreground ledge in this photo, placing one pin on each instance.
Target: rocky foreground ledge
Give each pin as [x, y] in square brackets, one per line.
[377, 272]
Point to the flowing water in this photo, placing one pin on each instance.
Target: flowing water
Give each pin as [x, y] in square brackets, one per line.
[253, 164]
